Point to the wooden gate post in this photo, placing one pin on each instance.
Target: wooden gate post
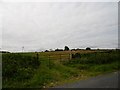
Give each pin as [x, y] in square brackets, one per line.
[37, 56]
[60, 58]
[49, 61]
[70, 56]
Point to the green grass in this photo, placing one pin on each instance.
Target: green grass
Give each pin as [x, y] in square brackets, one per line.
[24, 70]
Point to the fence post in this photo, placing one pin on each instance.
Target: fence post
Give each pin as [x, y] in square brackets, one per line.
[60, 58]
[70, 56]
[49, 61]
[37, 56]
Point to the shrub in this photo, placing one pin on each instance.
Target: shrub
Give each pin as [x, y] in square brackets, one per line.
[66, 48]
[58, 49]
[18, 67]
[88, 48]
[76, 55]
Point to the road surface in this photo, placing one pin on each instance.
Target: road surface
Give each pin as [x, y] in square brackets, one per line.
[102, 81]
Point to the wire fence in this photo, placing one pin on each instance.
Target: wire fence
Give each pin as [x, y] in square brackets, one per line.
[59, 57]
[48, 59]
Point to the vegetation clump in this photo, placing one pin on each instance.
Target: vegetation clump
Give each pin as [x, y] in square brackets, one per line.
[76, 55]
[88, 48]
[18, 67]
[66, 48]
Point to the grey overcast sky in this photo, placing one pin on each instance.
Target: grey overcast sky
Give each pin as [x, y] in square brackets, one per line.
[51, 25]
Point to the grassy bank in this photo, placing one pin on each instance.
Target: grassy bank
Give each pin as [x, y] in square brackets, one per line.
[25, 70]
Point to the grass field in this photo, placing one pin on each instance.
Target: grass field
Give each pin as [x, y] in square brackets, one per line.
[27, 70]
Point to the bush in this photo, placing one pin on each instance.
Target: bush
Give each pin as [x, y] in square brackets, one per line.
[58, 49]
[88, 48]
[18, 67]
[76, 55]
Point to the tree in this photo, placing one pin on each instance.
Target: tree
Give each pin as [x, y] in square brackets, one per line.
[66, 48]
[88, 48]
[58, 49]
[46, 51]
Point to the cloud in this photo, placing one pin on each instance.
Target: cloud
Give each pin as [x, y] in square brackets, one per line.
[54, 25]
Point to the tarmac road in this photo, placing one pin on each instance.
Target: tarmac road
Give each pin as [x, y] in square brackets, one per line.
[102, 81]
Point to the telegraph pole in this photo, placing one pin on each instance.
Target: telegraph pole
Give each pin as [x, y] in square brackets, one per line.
[23, 49]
